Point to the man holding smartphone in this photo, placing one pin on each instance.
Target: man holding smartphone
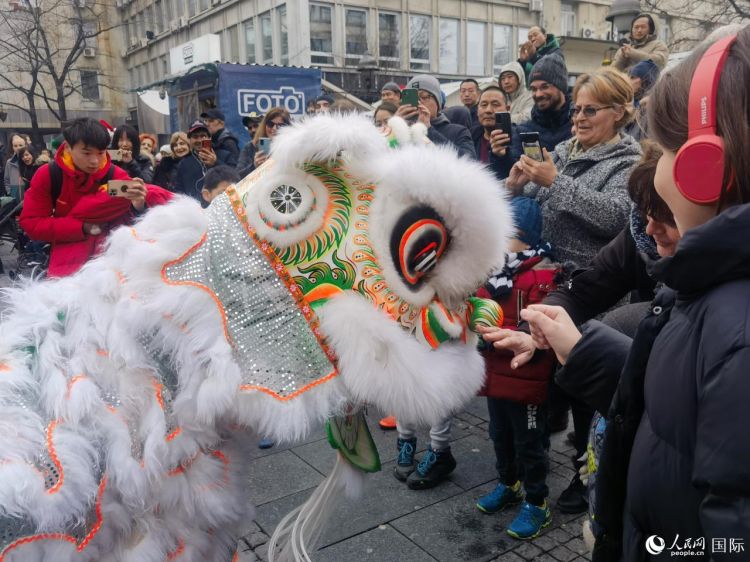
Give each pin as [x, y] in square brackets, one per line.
[492, 135]
[192, 168]
[428, 111]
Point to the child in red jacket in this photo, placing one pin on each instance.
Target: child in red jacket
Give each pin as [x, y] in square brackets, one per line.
[76, 215]
[516, 397]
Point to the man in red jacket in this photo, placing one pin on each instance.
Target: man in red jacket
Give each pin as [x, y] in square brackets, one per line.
[76, 216]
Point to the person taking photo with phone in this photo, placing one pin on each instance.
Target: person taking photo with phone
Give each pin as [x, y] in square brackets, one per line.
[126, 147]
[493, 133]
[68, 204]
[539, 45]
[427, 110]
[192, 168]
[276, 119]
[223, 142]
[641, 44]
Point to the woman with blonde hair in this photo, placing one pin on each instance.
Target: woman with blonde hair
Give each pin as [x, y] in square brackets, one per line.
[272, 122]
[582, 186]
[166, 171]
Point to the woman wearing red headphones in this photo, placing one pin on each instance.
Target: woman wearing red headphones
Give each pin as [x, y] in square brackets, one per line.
[674, 473]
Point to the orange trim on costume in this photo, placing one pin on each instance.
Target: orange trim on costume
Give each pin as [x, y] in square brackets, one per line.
[197, 285]
[293, 394]
[53, 456]
[178, 551]
[71, 382]
[405, 238]
[236, 556]
[102, 352]
[158, 388]
[326, 291]
[62, 536]
[134, 233]
[4, 368]
[120, 276]
[174, 434]
[427, 331]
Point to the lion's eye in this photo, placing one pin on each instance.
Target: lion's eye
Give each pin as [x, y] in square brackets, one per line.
[418, 240]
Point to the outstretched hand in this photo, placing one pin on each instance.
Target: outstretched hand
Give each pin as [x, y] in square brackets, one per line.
[519, 343]
[552, 328]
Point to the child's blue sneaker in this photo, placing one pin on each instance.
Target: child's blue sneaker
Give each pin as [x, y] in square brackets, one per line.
[500, 498]
[266, 443]
[530, 521]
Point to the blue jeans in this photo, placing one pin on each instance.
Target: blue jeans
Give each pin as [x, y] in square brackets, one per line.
[520, 434]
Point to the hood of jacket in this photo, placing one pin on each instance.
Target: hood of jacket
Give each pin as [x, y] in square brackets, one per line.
[552, 118]
[516, 69]
[552, 43]
[627, 146]
[710, 254]
[64, 160]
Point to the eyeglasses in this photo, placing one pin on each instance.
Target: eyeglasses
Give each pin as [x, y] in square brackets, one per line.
[589, 111]
[275, 125]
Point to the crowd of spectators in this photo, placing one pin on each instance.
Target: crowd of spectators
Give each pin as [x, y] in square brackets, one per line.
[585, 202]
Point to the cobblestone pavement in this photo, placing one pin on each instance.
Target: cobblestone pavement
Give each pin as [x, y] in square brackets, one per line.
[392, 523]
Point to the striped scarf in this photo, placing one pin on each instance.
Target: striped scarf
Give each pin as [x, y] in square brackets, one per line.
[500, 283]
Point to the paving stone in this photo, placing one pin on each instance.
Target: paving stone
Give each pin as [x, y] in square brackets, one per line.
[381, 544]
[545, 542]
[509, 557]
[384, 499]
[254, 540]
[246, 556]
[578, 546]
[559, 535]
[528, 551]
[279, 475]
[317, 433]
[477, 406]
[469, 418]
[262, 552]
[563, 554]
[454, 530]
[475, 458]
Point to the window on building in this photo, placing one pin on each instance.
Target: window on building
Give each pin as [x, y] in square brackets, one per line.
[664, 31]
[523, 35]
[389, 39]
[567, 20]
[356, 35]
[321, 34]
[204, 5]
[266, 37]
[419, 42]
[164, 65]
[448, 61]
[502, 46]
[283, 34]
[89, 29]
[250, 41]
[89, 85]
[475, 48]
[158, 17]
[234, 44]
[191, 8]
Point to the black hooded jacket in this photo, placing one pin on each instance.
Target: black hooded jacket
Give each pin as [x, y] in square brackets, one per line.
[676, 454]
[226, 147]
[553, 126]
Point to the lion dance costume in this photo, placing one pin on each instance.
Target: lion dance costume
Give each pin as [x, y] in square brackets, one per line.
[334, 276]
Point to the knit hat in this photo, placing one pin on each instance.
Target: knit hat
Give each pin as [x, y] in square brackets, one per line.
[647, 71]
[551, 69]
[325, 97]
[391, 86]
[428, 84]
[527, 216]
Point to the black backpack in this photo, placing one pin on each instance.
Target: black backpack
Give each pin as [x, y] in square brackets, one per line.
[56, 179]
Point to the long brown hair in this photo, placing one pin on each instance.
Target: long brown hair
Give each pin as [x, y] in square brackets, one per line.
[272, 114]
[641, 186]
[668, 113]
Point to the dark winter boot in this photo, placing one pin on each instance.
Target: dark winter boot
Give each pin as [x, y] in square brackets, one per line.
[434, 467]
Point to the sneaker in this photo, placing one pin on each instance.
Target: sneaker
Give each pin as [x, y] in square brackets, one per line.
[388, 423]
[266, 443]
[530, 521]
[574, 499]
[434, 467]
[405, 464]
[500, 498]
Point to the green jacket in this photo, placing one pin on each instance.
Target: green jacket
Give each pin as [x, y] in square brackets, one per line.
[552, 46]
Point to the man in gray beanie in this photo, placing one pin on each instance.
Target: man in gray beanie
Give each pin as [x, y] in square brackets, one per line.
[391, 92]
[550, 117]
[429, 112]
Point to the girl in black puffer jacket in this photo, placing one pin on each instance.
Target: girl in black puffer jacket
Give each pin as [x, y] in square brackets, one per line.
[131, 160]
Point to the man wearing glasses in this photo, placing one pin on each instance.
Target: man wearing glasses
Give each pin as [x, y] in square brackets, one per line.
[550, 114]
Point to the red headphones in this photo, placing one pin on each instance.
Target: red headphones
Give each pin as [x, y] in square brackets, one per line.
[698, 169]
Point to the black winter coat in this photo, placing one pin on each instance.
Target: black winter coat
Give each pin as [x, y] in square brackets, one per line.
[500, 166]
[676, 455]
[553, 127]
[442, 131]
[246, 162]
[189, 177]
[165, 174]
[139, 167]
[226, 147]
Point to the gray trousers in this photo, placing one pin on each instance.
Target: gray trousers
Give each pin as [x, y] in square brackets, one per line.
[440, 434]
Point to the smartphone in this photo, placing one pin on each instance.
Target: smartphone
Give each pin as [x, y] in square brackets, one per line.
[502, 122]
[206, 144]
[118, 188]
[264, 144]
[624, 41]
[531, 146]
[409, 96]
[115, 155]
